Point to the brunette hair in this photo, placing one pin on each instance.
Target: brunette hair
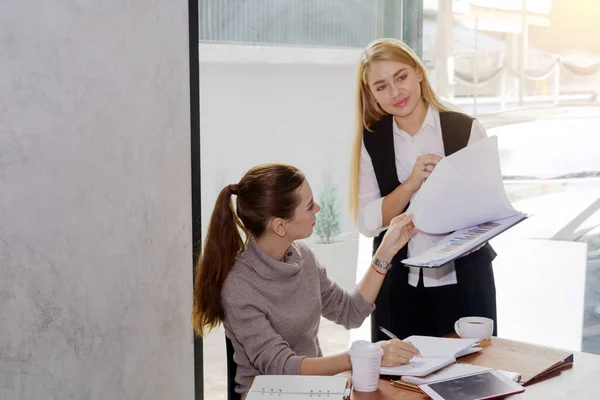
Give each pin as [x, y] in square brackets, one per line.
[264, 192]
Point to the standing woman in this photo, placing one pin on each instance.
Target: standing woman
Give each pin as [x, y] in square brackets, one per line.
[402, 132]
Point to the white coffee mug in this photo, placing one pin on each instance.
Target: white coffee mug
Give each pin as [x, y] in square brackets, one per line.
[365, 358]
[474, 328]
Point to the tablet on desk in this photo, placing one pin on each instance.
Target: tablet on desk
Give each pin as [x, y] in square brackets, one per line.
[484, 385]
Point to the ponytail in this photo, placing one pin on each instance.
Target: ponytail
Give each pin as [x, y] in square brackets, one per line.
[265, 191]
[222, 245]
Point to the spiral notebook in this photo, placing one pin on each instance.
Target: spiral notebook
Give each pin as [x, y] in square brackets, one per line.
[299, 387]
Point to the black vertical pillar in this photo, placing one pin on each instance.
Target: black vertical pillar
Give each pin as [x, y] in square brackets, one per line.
[195, 183]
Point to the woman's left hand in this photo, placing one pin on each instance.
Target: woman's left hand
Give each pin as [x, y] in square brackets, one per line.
[399, 232]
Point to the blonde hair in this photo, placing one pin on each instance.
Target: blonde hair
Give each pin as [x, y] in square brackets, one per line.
[368, 111]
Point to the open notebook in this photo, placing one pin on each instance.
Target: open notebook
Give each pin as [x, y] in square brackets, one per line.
[298, 387]
[436, 353]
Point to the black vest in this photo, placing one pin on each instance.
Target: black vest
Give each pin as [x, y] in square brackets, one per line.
[390, 302]
[456, 130]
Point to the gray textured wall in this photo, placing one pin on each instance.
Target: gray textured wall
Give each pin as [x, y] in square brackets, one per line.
[95, 234]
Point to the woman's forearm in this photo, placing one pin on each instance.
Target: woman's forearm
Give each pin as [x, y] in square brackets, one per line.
[395, 203]
[372, 280]
[329, 365]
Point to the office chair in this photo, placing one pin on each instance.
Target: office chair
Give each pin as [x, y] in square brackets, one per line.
[231, 370]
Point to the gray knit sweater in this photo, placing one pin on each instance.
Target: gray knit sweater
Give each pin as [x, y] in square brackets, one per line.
[273, 309]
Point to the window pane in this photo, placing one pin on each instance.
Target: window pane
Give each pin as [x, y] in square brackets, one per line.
[277, 85]
[531, 76]
[349, 23]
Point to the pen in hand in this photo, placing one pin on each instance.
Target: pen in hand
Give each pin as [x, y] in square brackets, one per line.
[392, 336]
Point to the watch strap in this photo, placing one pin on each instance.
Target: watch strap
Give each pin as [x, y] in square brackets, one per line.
[381, 264]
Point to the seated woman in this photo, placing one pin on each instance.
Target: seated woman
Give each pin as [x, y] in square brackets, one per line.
[271, 292]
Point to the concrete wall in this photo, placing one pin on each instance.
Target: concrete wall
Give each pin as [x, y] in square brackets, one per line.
[95, 210]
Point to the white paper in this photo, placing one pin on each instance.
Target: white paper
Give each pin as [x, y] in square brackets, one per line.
[419, 367]
[435, 352]
[451, 371]
[461, 242]
[436, 347]
[464, 189]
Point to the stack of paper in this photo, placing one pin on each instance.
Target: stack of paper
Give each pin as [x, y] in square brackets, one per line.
[464, 189]
[465, 195]
[461, 242]
[435, 352]
[455, 371]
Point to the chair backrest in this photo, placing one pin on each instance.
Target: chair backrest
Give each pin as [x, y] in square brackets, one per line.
[231, 371]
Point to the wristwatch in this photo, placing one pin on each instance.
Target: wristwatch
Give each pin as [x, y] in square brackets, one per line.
[381, 264]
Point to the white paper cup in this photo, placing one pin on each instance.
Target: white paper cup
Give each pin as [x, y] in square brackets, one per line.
[366, 362]
[474, 327]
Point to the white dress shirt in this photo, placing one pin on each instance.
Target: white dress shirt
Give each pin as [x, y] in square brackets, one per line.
[427, 140]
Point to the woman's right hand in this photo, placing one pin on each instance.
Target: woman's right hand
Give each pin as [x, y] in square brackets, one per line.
[396, 352]
[423, 167]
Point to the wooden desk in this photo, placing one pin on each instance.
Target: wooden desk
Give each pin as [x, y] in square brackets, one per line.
[580, 382]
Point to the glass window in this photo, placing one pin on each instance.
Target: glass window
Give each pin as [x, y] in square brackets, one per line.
[277, 85]
[531, 78]
[311, 22]
[591, 317]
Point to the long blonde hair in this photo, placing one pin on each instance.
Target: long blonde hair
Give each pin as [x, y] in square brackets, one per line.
[368, 111]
